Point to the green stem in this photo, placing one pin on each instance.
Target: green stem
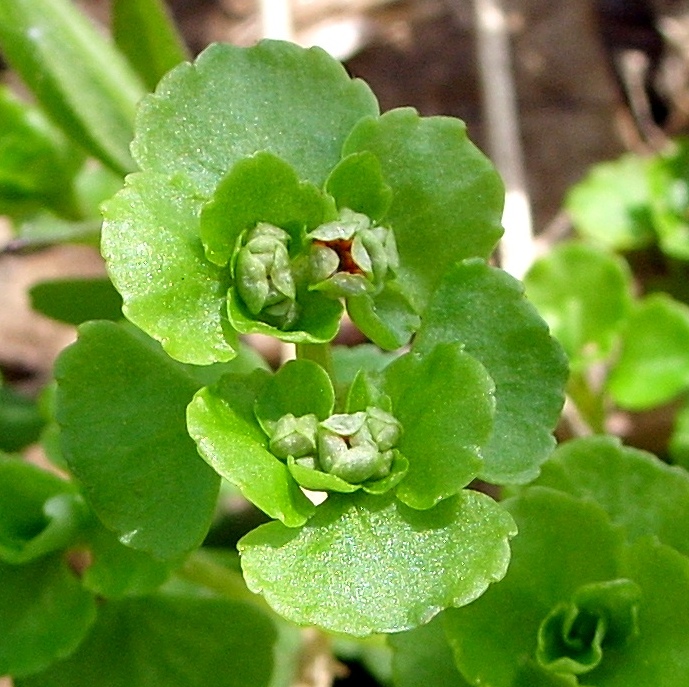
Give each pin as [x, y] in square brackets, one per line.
[589, 402]
[200, 568]
[319, 353]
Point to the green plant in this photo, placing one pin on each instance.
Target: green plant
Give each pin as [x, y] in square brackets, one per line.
[629, 212]
[598, 569]
[266, 194]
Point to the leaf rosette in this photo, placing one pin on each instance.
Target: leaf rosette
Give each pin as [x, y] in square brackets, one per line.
[271, 190]
[271, 435]
[596, 593]
[393, 457]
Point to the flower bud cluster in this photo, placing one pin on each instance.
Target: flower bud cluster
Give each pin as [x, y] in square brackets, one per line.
[264, 276]
[351, 256]
[355, 447]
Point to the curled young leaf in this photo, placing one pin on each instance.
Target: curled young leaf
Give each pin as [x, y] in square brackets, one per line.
[577, 600]
[572, 637]
[39, 513]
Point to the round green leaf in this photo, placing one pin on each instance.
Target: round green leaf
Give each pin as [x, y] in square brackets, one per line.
[423, 657]
[319, 320]
[21, 420]
[77, 300]
[636, 489]
[117, 570]
[357, 183]
[232, 102]
[387, 318]
[445, 403]
[484, 309]
[562, 544]
[299, 387]
[44, 615]
[156, 261]
[653, 366]
[316, 480]
[222, 422]
[165, 640]
[121, 405]
[584, 294]
[366, 564]
[447, 197]
[611, 205]
[260, 188]
[669, 196]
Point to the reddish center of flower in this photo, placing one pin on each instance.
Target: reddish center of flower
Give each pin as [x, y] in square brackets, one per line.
[343, 248]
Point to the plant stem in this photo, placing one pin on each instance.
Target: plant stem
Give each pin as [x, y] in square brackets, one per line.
[589, 402]
[319, 353]
[201, 569]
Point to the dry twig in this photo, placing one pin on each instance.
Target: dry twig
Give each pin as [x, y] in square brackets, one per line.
[502, 119]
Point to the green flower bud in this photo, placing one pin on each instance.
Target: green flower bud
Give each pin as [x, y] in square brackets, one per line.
[282, 315]
[360, 253]
[342, 229]
[252, 281]
[307, 462]
[294, 436]
[381, 248]
[331, 448]
[384, 465]
[357, 446]
[264, 277]
[345, 424]
[385, 429]
[345, 285]
[350, 257]
[323, 262]
[357, 464]
[353, 464]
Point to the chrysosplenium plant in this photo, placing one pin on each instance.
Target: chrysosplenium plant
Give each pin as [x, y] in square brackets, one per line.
[271, 198]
